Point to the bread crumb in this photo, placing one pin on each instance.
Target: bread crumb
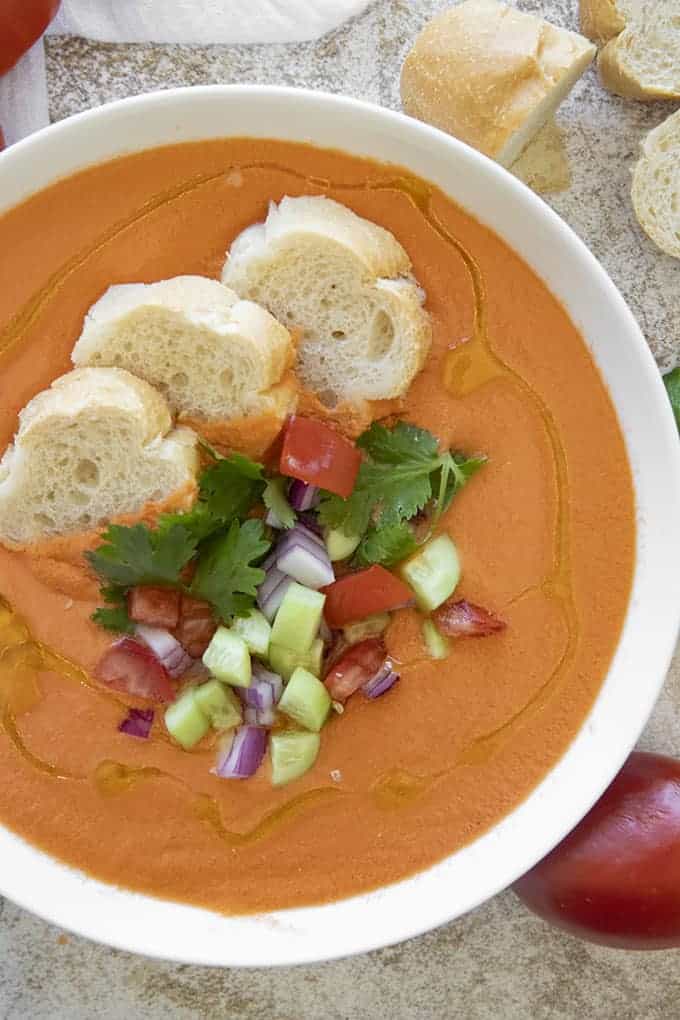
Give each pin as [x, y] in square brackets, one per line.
[68, 604]
[235, 178]
[336, 775]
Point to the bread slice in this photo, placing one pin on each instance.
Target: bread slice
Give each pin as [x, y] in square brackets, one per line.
[491, 75]
[643, 60]
[656, 185]
[96, 445]
[211, 354]
[602, 20]
[346, 284]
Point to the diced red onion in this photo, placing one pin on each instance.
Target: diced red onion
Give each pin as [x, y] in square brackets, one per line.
[311, 522]
[245, 755]
[381, 682]
[302, 495]
[262, 675]
[299, 535]
[166, 648]
[261, 697]
[307, 566]
[137, 723]
[271, 592]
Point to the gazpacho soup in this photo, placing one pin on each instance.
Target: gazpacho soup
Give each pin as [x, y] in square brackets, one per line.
[316, 524]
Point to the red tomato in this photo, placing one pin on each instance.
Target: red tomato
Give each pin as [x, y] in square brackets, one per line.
[156, 607]
[196, 626]
[316, 453]
[132, 668]
[465, 619]
[356, 596]
[616, 878]
[355, 668]
[22, 22]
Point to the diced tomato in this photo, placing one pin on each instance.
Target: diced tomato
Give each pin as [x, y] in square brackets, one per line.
[316, 453]
[465, 619]
[359, 595]
[22, 22]
[356, 667]
[156, 607]
[132, 668]
[196, 626]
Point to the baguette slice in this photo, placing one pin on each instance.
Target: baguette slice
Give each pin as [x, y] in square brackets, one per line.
[96, 445]
[211, 354]
[656, 185]
[346, 284]
[602, 20]
[491, 75]
[643, 60]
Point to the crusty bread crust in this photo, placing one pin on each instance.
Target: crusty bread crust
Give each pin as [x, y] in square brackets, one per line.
[97, 444]
[491, 75]
[601, 20]
[345, 283]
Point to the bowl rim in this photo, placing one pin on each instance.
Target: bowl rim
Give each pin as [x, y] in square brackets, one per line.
[133, 921]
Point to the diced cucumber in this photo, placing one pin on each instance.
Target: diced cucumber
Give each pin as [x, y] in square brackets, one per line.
[339, 545]
[276, 501]
[306, 700]
[293, 753]
[185, 719]
[372, 626]
[284, 662]
[228, 659]
[255, 631]
[220, 704]
[433, 572]
[297, 622]
[437, 645]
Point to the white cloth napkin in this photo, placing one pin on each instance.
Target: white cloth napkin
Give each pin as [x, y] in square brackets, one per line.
[23, 92]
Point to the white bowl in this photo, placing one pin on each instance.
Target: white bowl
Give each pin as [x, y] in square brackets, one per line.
[146, 925]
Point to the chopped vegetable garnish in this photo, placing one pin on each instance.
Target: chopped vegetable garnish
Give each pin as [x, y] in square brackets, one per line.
[196, 626]
[231, 487]
[372, 626]
[255, 631]
[243, 758]
[339, 545]
[137, 723]
[296, 624]
[306, 700]
[140, 556]
[225, 576]
[185, 720]
[228, 659]
[261, 698]
[316, 453]
[403, 471]
[166, 648]
[156, 607]
[363, 594]
[131, 667]
[381, 683]
[464, 619]
[356, 667]
[275, 499]
[220, 704]
[672, 383]
[293, 753]
[285, 661]
[303, 496]
[303, 556]
[433, 572]
[387, 545]
[115, 615]
[271, 592]
[436, 643]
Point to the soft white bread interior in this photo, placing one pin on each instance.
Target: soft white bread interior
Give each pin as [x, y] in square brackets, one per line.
[491, 75]
[346, 285]
[211, 354]
[643, 60]
[96, 445]
[656, 185]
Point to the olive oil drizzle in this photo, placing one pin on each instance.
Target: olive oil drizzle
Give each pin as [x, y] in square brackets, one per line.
[467, 367]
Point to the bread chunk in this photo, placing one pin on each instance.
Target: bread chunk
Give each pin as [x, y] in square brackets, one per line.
[99, 443]
[346, 284]
[656, 185]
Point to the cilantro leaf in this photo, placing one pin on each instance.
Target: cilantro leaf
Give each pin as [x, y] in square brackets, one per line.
[115, 616]
[138, 555]
[275, 499]
[225, 576]
[386, 546]
[402, 473]
[672, 383]
[231, 486]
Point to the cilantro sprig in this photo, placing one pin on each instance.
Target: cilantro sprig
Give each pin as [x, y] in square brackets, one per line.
[672, 383]
[403, 473]
[226, 576]
[114, 616]
[134, 555]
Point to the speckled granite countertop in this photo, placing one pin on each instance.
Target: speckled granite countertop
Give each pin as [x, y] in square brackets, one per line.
[499, 962]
